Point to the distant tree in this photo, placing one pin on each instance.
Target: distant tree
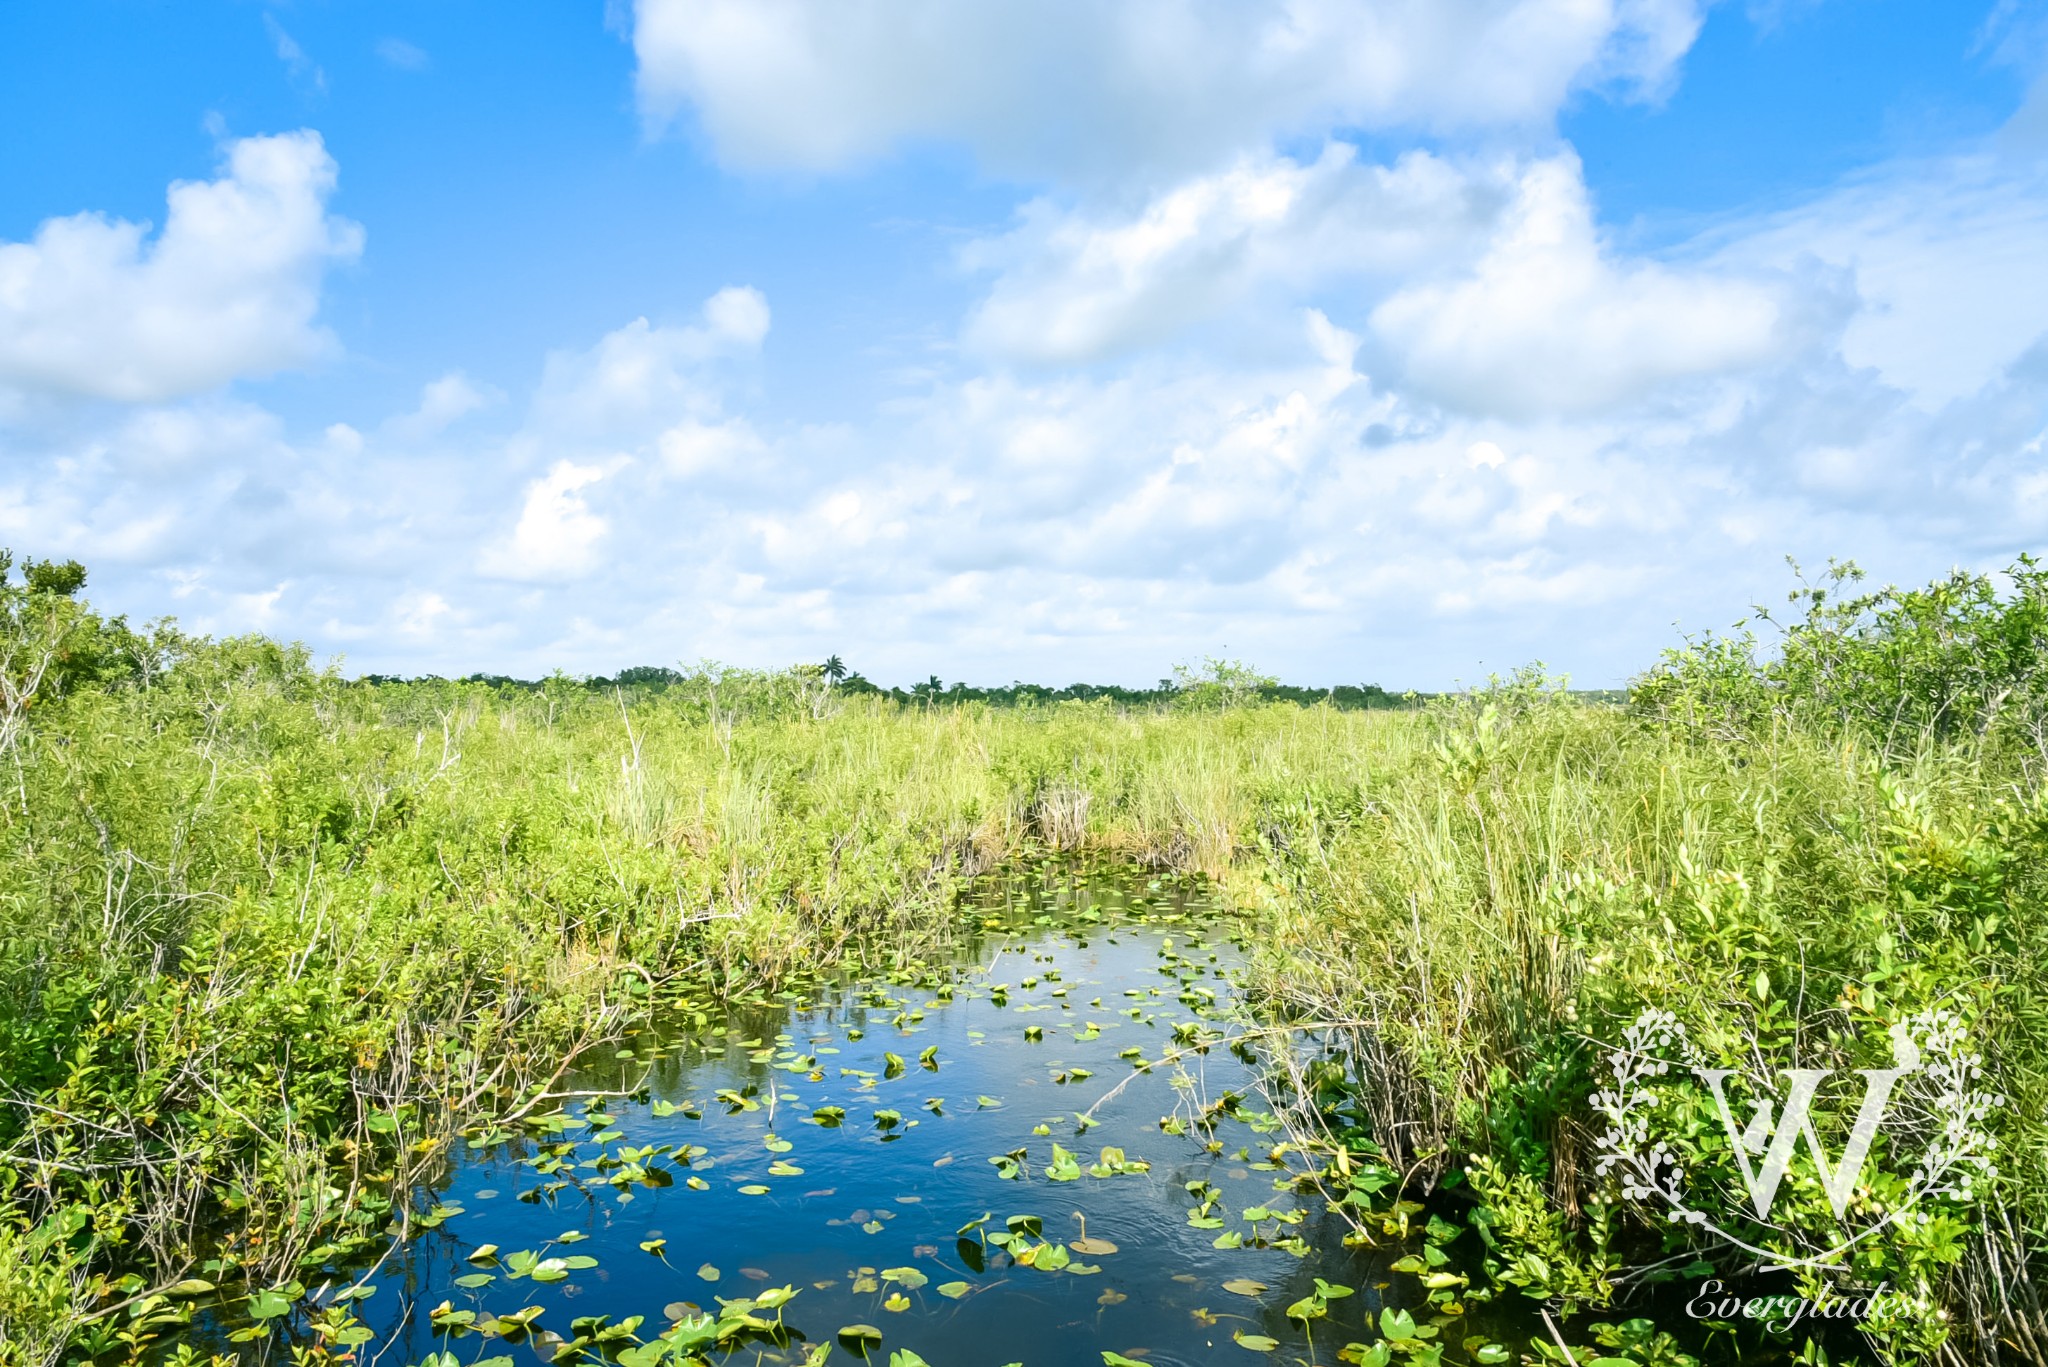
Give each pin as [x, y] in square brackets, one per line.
[1219, 683]
[658, 676]
[835, 669]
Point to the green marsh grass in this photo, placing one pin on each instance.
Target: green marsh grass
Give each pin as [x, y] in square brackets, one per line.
[269, 937]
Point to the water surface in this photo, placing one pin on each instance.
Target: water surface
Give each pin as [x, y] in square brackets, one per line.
[874, 1145]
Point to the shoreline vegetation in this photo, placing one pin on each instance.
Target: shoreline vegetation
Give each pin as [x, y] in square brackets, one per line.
[271, 937]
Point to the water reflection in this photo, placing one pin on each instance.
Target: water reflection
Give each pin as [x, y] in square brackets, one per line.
[968, 1158]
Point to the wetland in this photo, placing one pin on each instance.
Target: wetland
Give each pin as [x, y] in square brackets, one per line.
[723, 1015]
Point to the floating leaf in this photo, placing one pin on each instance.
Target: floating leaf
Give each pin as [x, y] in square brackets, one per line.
[269, 1305]
[1258, 1343]
[897, 1303]
[908, 1277]
[953, 1291]
[753, 1189]
[1245, 1286]
[708, 1273]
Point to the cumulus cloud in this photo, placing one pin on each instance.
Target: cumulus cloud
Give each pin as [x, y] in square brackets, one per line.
[1409, 497]
[1934, 248]
[1074, 284]
[1548, 322]
[230, 287]
[557, 535]
[442, 402]
[1076, 89]
[643, 374]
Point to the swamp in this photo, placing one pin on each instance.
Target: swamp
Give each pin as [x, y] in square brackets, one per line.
[717, 1016]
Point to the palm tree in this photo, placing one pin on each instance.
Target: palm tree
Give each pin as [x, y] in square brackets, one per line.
[835, 668]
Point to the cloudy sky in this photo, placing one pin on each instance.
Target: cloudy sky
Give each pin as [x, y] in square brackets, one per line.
[1368, 340]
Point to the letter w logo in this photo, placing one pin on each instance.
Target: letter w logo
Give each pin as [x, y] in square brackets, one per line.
[1797, 1120]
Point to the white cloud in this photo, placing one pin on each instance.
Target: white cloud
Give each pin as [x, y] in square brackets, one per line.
[304, 70]
[229, 288]
[1534, 466]
[1078, 89]
[1548, 322]
[442, 402]
[421, 612]
[396, 52]
[1935, 248]
[1076, 285]
[692, 447]
[642, 373]
[557, 535]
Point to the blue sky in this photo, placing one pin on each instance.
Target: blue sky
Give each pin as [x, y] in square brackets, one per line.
[1394, 340]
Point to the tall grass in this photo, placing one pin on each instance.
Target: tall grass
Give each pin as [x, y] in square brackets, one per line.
[267, 937]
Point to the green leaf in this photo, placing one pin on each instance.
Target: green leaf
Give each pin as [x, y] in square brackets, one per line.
[268, 1305]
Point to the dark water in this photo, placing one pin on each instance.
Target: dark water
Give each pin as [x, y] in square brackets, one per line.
[863, 1219]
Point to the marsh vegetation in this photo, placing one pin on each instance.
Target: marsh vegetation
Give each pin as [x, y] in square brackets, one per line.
[293, 968]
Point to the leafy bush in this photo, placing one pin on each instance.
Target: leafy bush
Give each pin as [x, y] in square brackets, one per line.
[1961, 657]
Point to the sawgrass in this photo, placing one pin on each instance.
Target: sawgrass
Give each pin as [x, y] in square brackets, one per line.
[257, 922]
